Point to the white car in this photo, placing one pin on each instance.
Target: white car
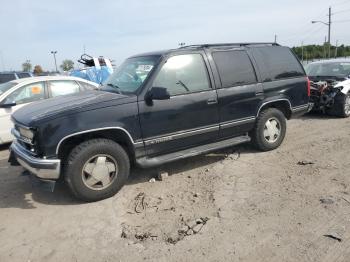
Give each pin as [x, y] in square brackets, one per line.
[21, 92]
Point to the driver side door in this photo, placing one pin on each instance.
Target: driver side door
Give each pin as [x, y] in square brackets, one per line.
[190, 116]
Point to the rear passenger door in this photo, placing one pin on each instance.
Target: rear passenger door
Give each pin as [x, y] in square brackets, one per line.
[239, 92]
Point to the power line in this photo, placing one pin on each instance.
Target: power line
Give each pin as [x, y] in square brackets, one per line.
[307, 28]
[344, 2]
[339, 12]
[341, 21]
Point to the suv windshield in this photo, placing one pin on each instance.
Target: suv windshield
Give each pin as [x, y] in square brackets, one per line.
[336, 69]
[6, 86]
[130, 75]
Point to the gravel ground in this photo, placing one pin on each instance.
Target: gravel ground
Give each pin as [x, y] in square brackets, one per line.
[291, 204]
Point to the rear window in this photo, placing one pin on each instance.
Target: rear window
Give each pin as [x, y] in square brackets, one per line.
[235, 68]
[277, 63]
[6, 78]
[23, 75]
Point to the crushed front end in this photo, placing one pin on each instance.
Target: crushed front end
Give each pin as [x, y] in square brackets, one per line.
[323, 93]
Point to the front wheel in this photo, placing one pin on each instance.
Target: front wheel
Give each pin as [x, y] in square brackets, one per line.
[96, 169]
[270, 129]
[341, 106]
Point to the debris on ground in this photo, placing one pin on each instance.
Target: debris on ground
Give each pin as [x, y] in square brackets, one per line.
[305, 163]
[234, 155]
[162, 175]
[145, 236]
[346, 200]
[326, 201]
[140, 204]
[333, 237]
[152, 180]
[193, 227]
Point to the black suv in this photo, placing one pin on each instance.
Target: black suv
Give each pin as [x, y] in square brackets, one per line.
[160, 107]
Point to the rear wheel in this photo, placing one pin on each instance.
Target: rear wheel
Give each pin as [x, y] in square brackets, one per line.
[341, 106]
[96, 169]
[270, 129]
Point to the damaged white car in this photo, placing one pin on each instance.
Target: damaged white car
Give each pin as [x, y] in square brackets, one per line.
[330, 86]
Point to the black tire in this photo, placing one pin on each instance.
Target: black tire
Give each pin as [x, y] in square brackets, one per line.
[257, 135]
[80, 156]
[339, 108]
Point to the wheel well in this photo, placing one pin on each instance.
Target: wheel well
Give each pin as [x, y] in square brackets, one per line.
[282, 105]
[116, 135]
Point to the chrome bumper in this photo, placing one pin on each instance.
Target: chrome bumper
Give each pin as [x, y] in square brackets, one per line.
[42, 168]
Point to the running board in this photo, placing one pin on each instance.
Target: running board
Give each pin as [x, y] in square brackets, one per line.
[194, 151]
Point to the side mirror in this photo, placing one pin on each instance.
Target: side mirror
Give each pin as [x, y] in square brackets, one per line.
[7, 104]
[157, 93]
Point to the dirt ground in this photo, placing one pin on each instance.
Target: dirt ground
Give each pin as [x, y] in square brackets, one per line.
[291, 204]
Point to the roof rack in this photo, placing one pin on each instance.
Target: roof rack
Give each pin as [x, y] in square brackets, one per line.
[229, 44]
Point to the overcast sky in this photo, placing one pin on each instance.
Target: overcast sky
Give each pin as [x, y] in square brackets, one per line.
[118, 29]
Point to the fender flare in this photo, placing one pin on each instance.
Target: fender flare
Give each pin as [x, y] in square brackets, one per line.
[264, 103]
[94, 130]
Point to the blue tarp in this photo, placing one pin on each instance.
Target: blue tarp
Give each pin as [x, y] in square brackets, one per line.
[93, 74]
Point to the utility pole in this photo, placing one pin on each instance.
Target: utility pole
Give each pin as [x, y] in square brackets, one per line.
[54, 56]
[275, 39]
[324, 47]
[329, 31]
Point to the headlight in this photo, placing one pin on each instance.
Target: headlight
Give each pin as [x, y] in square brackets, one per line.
[26, 133]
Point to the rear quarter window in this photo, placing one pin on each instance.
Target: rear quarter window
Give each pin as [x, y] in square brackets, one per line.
[277, 62]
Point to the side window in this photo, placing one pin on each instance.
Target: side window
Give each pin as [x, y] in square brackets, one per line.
[28, 93]
[235, 68]
[63, 87]
[276, 63]
[183, 74]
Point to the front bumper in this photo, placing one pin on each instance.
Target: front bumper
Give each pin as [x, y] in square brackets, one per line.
[42, 168]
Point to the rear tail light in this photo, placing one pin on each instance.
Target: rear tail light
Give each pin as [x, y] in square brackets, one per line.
[308, 87]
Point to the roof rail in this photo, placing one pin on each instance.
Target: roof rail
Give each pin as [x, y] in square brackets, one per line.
[229, 44]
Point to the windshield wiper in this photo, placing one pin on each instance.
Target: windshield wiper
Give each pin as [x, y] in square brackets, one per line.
[115, 87]
[179, 82]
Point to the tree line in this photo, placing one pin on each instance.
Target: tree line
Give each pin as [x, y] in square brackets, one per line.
[315, 52]
[66, 65]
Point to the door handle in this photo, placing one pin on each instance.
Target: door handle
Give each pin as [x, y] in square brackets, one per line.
[212, 101]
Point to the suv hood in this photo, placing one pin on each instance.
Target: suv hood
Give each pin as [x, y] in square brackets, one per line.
[68, 104]
[327, 78]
